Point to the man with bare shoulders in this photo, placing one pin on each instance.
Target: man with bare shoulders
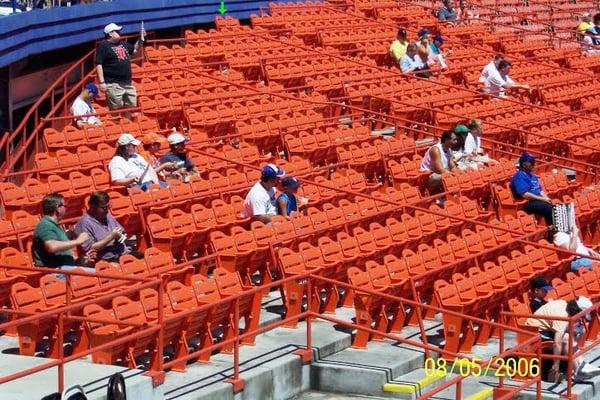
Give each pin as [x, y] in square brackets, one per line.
[438, 160]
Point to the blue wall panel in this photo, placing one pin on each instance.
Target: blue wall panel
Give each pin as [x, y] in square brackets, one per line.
[39, 31]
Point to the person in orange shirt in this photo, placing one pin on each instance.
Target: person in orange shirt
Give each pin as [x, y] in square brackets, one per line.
[152, 143]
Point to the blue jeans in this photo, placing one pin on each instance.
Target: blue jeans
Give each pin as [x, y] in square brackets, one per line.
[146, 185]
[579, 263]
[72, 267]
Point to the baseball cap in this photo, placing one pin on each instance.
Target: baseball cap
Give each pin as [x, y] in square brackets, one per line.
[423, 32]
[290, 182]
[541, 283]
[584, 303]
[93, 89]
[271, 171]
[525, 156]
[438, 38]
[460, 128]
[127, 138]
[175, 138]
[112, 27]
[401, 32]
[150, 138]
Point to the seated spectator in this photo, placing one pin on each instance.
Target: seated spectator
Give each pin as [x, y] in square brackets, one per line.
[127, 168]
[438, 160]
[525, 185]
[498, 81]
[412, 63]
[82, 107]
[472, 144]
[461, 157]
[490, 68]
[105, 235]
[398, 47]
[558, 332]
[586, 23]
[573, 243]
[446, 12]
[423, 49]
[260, 203]
[182, 167]
[539, 290]
[151, 143]
[287, 202]
[436, 53]
[589, 45]
[466, 11]
[51, 246]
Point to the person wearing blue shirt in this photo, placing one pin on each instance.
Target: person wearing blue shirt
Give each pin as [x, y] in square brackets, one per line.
[286, 202]
[525, 185]
[411, 62]
[446, 12]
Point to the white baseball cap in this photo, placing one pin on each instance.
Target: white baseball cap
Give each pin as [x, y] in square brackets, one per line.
[127, 138]
[175, 138]
[584, 303]
[112, 27]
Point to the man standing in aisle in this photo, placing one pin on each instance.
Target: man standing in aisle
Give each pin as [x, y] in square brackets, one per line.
[113, 67]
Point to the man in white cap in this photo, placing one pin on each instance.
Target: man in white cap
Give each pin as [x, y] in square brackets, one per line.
[127, 168]
[558, 332]
[183, 167]
[260, 203]
[113, 68]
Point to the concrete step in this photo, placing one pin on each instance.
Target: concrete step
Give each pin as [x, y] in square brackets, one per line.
[94, 380]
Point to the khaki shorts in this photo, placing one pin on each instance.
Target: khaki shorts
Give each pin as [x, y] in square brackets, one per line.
[119, 96]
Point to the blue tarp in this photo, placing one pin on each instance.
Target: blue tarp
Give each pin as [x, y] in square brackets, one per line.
[39, 31]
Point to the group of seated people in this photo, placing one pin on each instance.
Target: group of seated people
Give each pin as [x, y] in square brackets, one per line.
[97, 235]
[448, 13]
[589, 29]
[419, 57]
[458, 149]
[557, 331]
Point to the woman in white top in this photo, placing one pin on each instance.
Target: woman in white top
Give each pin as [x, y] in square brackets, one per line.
[127, 168]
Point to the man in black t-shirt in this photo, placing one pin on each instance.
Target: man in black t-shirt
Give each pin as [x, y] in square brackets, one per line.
[113, 69]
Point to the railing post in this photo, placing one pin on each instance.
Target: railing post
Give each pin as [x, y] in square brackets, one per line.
[156, 368]
[570, 360]
[237, 382]
[306, 354]
[61, 355]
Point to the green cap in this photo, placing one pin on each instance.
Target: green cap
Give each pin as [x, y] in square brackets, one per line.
[460, 128]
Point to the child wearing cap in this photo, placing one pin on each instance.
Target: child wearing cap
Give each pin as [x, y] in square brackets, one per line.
[287, 202]
[151, 143]
[83, 109]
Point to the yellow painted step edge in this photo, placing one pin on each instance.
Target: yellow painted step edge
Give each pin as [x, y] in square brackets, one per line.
[410, 388]
[482, 395]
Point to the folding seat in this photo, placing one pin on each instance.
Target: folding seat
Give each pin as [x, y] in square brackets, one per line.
[459, 333]
[508, 205]
[24, 223]
[102, 333]
[230, 284]
[53, 289]
[398, 273]
[467, 292]
[411, 193]
[172, 325]
[332, 253]
[369, 309]
[101, 178]
[84, 287]
[413, 227]
[127, 310]
[366, 243]
[302, 223]
[7, 233]
[562, 290]
[351, 248]
[414, 262]
[81, 184]
[28, 299]
[518, 278]
[499, 282]
[15, 198]
[46, 163]
[459, 246]
[592, 283]
[471, 210]
[431, 259]
[183, 223]
[483, 287]
[428, 225]
[285, 232]
[73, 136]
[163, 237]
[319, 219]
[54, 139]
[311, 192]
[557, 262]
[88, 157]
[184, 298]
[225, 214]
[578, 285]
[398, 232]
[36, 190]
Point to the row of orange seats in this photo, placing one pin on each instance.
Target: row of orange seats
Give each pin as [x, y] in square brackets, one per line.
[368, 158]
[108, 132]
[483, 292]
[181, 327]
